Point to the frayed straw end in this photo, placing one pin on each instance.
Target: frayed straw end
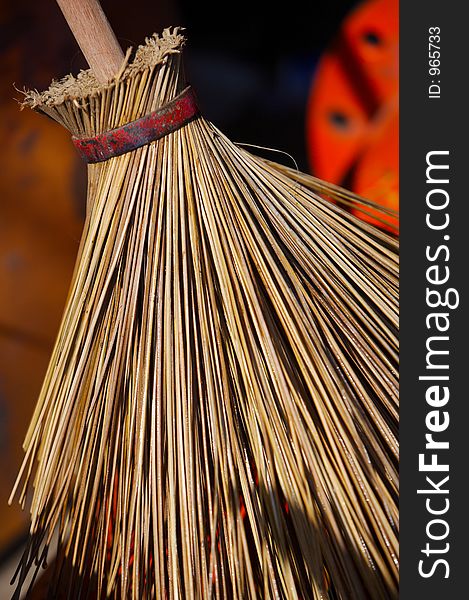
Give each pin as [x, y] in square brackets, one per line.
[84, 85]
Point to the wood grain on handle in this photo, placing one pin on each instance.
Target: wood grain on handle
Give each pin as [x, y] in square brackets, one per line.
[94, 35]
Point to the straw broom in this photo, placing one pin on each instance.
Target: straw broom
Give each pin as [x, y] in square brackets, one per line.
[219, 416]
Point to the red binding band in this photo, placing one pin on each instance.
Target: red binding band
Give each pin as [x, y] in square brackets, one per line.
[136, 134]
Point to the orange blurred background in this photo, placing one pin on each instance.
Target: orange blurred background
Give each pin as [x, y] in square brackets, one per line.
[353, 111]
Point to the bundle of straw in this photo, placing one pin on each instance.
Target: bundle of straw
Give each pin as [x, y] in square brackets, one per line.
[219, 415]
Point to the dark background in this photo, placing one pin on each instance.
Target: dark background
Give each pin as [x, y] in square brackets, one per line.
[251, 61]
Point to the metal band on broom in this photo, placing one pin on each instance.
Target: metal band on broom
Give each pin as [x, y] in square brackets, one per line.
[145, 130]
[219, 416]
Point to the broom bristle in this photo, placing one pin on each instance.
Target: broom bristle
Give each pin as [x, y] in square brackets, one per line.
[219, 416]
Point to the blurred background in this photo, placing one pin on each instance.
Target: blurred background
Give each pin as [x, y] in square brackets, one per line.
[317, 80]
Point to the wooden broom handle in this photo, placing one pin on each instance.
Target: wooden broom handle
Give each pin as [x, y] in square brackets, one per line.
[94, 35]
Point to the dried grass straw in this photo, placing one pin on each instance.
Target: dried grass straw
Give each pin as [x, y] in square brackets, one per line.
[219, 415]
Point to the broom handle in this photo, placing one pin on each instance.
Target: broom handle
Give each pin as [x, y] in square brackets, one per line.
[94, 35]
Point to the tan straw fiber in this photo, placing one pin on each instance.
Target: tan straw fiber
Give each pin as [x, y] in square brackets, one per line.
[219, 416]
